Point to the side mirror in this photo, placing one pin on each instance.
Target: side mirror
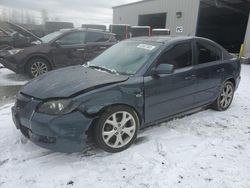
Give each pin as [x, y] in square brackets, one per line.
[164, 69]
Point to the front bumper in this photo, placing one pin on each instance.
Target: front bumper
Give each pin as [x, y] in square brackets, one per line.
[12, 64]
[65, 133]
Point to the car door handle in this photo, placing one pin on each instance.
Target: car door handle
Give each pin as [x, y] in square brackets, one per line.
[80, 50]
[220, 70]
[103, 47]
[191, 77]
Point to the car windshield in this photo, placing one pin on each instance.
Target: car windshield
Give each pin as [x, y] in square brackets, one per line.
[51, 36]
[126, 57]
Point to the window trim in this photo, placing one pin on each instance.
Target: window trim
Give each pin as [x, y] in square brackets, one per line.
[108, 39]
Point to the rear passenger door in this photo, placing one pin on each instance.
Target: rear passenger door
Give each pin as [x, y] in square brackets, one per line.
[208, 70]
[70, 50]
[96, 43]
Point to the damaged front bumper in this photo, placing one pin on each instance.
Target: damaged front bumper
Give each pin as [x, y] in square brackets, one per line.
[63, 133]
[12, 64]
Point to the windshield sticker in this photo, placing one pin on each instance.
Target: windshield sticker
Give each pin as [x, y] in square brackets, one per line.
[146, 47]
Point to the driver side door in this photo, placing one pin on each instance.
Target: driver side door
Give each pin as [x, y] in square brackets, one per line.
[170, 94]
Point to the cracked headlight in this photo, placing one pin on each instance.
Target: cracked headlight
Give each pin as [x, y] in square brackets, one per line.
[14, 51]
[56, 107]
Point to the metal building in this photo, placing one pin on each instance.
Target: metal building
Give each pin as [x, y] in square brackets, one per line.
[224, 21]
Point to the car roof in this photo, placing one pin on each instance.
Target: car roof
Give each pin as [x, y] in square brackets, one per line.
[86, 29]
[173, 39]
[162, 39]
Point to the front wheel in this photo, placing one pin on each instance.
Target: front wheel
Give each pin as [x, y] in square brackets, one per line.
[116, 129]
[225, 97]
[37, 67]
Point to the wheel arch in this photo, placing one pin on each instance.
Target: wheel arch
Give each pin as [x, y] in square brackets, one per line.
[34, 57]
[232, 80]
[139, 115]
[106, 108]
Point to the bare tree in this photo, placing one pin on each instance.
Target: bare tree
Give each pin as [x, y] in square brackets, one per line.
[2, 15]
[14, 16]
[44, 14]
[27, 18]
[22, 17]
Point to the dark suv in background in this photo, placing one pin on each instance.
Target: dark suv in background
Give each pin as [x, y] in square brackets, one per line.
[15, 36]
[59, 49]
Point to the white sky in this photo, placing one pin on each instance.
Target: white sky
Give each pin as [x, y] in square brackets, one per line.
[76, 11]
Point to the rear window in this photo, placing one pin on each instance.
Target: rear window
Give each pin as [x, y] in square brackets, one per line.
[97, 37]
[73, 38]
[207, 53]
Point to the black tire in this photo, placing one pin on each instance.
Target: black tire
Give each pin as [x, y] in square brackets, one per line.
[218, 104]
[41, 64]
[102, 127]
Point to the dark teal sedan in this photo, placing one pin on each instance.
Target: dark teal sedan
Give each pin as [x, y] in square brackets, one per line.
[134, 84]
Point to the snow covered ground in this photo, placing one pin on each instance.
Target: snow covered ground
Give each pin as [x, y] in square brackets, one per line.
[7, 77]
[10, 83]
[207, 149]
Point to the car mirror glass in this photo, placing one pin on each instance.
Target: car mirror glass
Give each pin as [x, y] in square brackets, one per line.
[164, 69]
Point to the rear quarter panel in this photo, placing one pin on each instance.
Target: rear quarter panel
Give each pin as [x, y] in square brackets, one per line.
[232, 70]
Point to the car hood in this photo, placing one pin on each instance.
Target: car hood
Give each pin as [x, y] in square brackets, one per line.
[22, 30]
[36, 47]
[69, 81]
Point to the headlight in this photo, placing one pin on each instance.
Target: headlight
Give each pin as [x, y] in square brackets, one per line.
[56, 107]
[14, 51]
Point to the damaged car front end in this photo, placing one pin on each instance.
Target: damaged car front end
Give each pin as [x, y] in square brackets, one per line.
[58, 112]
[64, 133]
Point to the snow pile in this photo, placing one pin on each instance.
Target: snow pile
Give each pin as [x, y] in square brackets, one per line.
[207, 149]
[7, 78]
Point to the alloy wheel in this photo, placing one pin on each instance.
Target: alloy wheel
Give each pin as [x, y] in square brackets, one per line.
[119, 129]
[226, 96]
[38, 68]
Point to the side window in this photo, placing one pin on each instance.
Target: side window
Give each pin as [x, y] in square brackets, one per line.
[180, 56]
[207, 53]
[96, 37]
[73, 38]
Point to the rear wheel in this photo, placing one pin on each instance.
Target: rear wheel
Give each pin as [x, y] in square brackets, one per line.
[37, 67]
[116, 129]
[225, 97]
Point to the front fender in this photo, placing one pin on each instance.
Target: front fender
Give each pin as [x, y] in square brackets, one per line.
[125, 93]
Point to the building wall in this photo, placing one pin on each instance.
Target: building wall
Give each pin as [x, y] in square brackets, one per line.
[247, 40]
[129, 14]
